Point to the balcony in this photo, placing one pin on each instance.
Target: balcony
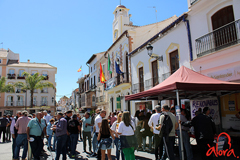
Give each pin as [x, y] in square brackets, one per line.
[93, 101]
[92, 87]
[34, 103]
[46, 76]
[137, 87]
[44, 103]
[20, 103]
[9, 103]
[42, 91]
[20, 77]
[166, 75]
[117, 80]
[11, 76]
[151, 82]
[220, 38]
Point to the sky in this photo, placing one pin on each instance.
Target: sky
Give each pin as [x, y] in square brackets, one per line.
[65, 33]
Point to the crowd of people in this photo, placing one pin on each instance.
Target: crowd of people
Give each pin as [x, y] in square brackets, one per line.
[128, 133]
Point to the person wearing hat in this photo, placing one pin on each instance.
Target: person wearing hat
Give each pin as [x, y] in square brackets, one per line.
[73, 128]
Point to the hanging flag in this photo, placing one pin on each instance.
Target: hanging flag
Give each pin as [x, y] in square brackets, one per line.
[80, 69]
[118, 71]
[109, 65]
[102, 77]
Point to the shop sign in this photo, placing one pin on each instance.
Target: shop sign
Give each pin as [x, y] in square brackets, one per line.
[212, 103]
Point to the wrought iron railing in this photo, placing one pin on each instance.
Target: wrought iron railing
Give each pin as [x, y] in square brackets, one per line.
[9, 103]
[19, 103]
[151, 82]
[220, 38]
[117, 80]
[44, 103]
[137, 87]
[165, 75]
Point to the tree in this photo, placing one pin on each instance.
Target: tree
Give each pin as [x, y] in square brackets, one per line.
[33, 82]
[4, 87]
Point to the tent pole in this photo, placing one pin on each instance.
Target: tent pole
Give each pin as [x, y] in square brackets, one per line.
[180, 126]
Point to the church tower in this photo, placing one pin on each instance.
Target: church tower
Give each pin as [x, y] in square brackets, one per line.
[121, 17]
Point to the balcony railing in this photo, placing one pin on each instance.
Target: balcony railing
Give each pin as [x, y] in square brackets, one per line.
[220, 38]
[92, 87]
[20, 103]
[117, 80]
[34, 103]
[20, 77]
[9, 103]
[42, 91]
[151, 82]
[94, 101]
[166, 75]
[11, 76]
[44, 103]
[137, 87]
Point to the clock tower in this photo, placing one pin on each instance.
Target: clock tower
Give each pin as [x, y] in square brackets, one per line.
[121, 17]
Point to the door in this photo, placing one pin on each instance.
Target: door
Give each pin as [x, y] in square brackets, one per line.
[227, 34]
[19, 100]
[154, 73]
[141, 79]
[10, 101]
[174, 61]
[119, 103]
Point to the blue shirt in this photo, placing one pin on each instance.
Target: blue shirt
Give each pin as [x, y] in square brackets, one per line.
[49, 131]
[61, 128]
[36, 128]
[84, 121]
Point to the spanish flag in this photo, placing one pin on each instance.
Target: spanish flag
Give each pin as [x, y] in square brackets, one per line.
[102, 77]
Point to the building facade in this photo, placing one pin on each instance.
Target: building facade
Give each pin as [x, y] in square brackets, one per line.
[12, 69]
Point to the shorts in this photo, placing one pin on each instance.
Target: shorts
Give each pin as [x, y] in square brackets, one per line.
[104, 147]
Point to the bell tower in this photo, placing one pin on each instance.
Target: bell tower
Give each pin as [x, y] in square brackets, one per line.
[121, 17]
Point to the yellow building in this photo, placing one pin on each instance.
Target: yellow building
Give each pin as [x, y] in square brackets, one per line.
[12, 69]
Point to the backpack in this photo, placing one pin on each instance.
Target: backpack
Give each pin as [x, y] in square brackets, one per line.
[167, 126]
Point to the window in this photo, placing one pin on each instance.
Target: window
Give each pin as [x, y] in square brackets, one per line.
[94, 81]
[34, 101]
[10, 101]
[91, 69]
[174, 61]
[141, 79]
[45, 73]
[94, 66]
[87, 85]
[0, 60]
[44, 101]
[35, 91]
[127, 71]
[103, 69]
[19, 100]
[33, 72]
[21, 73]
[11, 71]
[154, 73]
[45, 90]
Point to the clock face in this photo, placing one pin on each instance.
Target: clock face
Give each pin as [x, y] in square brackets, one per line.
[115, 34]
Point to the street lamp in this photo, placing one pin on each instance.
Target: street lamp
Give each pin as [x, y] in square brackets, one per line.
[150, 50]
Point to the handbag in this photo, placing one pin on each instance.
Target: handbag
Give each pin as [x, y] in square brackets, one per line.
[128, 141]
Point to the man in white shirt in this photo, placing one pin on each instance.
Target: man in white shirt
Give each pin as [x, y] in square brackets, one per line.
[47, 117]
[97, 124]
[153, 123]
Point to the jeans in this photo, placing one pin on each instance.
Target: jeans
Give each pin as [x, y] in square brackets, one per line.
[94, 142]
[3, 129]
[13, 145]
[8, 133]
[169, 148]
[74, 140]
[144, 142]
[129, 153]
[21, 139]
[61, 147]
[118, 152]
[36, 146]
[54, 141]
[87, 135]
[158, 144]
[50, 140]
[186, 144]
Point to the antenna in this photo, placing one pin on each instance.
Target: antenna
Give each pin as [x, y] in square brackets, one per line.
[155, 12]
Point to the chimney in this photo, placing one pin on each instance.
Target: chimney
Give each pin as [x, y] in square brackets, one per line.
[28, 60]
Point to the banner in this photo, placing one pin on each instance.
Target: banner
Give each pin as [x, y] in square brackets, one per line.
[212, 103]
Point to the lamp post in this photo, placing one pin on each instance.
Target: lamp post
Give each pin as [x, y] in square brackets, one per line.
[150, 50]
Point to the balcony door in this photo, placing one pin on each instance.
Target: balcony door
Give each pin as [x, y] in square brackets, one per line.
[174, 61]
[10, 101]
[127, 69]
[154, 73]
[19, 100]
[141, 79]
[226, 34]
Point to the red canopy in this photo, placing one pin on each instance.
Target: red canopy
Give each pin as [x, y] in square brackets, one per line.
[185, 79]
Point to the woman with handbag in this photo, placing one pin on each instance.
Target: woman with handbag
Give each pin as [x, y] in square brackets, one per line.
[128, 140]
[105, 141]
[117, 142]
